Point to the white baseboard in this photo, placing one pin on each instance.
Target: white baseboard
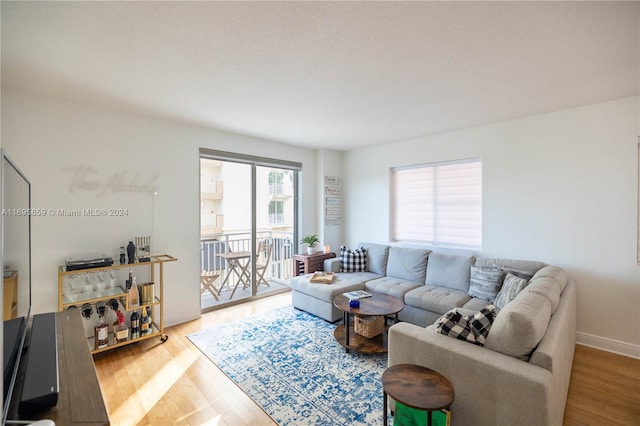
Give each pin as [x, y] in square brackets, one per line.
[609, 345]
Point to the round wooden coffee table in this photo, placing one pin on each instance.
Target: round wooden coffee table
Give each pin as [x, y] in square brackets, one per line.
[416, 387]
[378, 304]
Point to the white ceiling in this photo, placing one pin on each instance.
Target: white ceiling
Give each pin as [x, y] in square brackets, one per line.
[337, 75]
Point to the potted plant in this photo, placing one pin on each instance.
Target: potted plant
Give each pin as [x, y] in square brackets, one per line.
[310, 241]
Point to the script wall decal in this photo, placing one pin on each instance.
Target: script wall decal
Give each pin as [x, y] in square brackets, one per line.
[88, 179]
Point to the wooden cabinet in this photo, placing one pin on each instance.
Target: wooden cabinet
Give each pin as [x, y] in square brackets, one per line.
[80, 400]
[10, 308]
[308, 263]
[69, 296]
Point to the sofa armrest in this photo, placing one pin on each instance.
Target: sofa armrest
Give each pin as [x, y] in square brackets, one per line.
[490, 388]
[332, 265]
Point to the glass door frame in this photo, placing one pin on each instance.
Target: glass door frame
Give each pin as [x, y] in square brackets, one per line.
[255, 162]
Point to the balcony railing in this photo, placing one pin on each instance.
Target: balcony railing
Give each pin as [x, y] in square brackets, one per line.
[280, 265]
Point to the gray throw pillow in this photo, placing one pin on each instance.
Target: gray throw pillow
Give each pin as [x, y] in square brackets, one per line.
[485, 282]
[511, 286]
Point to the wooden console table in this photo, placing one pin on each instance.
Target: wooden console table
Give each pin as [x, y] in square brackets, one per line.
[308, 263]
[80, 399]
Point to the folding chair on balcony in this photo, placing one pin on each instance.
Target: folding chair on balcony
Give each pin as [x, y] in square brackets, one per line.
[207, 283]
[262, 262]
[208, 277]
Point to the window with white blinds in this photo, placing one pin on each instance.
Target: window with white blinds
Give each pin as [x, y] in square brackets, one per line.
[439, 204]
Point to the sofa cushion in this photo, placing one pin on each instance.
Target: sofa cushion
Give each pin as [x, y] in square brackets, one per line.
[377, 255]
[519, 327]
[522, 268]
[511, 287]
[342, 283]
[475, 304]
[408, 263]
[448, 270]
[396, 287]
[473, 329]
[436, 299]
[554, 272]
[548, 287]
[485, 283]
[353, 260]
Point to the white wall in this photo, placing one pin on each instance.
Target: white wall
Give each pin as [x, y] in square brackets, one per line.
[329, 164]
[559, 187]
[46, 136]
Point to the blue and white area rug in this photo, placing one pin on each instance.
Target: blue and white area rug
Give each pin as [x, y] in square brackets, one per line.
[289, 363]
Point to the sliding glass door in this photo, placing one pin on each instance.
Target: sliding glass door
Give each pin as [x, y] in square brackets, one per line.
[248, 226]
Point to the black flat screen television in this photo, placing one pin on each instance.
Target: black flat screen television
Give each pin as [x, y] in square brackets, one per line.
[16, 260]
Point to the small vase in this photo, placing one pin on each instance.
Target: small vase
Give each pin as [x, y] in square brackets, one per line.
[310, 250]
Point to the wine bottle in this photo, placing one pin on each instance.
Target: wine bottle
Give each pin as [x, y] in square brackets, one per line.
[134, 294]
[101, 334]
[135, 325]
[121, 331]
[101, 308]
[87, 310]
[144, 323]
[129, 281]
[149, 315]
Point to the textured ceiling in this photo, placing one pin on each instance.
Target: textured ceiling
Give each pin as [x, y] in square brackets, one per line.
[337, 75]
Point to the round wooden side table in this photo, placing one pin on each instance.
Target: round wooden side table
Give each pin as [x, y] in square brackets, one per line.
[416, 387]
[378, 304]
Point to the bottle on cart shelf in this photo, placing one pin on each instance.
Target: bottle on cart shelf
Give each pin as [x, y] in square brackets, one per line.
[101, 334]
[101, 308]
[131, 252]
[122, 258]
[144, 323]
[121, 331]
[135, 325]
[114, 305]
[128, 281]
[134, 294]
[87, 310]
[149, 315]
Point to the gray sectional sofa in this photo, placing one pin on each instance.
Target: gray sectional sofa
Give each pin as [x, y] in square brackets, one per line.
[520, 376]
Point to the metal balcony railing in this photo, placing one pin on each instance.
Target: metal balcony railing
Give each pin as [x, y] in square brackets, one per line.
[280, 266]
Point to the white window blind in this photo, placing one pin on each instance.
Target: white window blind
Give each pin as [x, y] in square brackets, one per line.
[439, 204]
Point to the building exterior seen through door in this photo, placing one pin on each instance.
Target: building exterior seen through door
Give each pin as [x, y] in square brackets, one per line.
[248, 227]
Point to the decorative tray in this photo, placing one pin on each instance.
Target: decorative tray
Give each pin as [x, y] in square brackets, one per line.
[322, 277]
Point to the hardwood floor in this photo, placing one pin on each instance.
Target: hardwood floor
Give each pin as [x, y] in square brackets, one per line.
[604, 389]
[150, 383]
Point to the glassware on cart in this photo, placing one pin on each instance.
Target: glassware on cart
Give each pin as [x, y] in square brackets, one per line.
[69, 291]
[101, 284]
[112, 278]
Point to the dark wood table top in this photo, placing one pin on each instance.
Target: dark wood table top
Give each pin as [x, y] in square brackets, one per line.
[418, 387]
[377, 304]
[80, 400]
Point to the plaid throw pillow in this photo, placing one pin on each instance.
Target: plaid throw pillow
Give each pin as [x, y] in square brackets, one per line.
[473, 329]
[353, 260]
